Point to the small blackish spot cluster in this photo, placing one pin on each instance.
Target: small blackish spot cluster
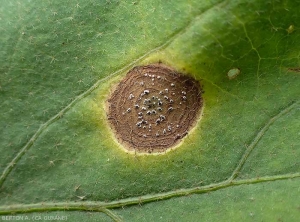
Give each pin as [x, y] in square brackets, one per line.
[153, 107]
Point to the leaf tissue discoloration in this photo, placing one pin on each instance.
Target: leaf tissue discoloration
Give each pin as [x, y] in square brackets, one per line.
[57, 67]
[153, 108]
[294, 69]
[233, 73]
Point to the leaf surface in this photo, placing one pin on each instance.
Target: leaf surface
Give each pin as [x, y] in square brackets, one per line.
[59, 62]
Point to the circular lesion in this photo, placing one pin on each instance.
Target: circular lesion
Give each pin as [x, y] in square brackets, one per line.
[153, 108]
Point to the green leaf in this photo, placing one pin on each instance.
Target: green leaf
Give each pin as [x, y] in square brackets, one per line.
[58, 64]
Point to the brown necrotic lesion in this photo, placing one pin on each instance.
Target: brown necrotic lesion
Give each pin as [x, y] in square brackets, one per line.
[153, 108]
[294, 69]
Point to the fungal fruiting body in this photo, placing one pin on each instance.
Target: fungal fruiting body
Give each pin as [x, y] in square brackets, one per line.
[153, 108]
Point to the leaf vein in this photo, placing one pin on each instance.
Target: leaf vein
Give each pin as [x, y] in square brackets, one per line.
[257, 138]
[98, 206]
[43, 126]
